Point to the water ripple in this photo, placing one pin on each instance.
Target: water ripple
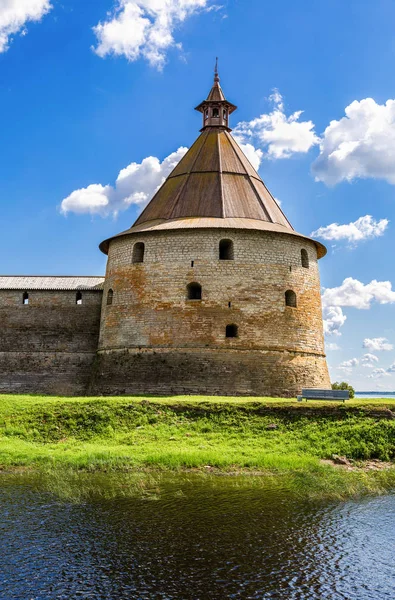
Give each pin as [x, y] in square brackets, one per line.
[204, 544]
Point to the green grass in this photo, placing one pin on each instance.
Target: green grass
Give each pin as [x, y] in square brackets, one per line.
[222, 434]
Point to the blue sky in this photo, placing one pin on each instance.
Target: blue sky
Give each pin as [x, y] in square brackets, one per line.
[89, 89]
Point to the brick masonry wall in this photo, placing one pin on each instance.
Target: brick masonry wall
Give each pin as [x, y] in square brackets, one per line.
[49, 345]
[153, 339]
[209, 371]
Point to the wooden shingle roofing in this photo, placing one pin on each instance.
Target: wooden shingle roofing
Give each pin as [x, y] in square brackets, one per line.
[214, 179]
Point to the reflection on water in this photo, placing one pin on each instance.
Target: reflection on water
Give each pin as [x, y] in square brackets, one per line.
[197, 541]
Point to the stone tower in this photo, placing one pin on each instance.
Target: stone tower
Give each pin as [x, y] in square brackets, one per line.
[212, 291]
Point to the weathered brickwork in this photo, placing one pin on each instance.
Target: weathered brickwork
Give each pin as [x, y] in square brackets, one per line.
[208, 371]
[49, 345]
[57, 373]
[153, 339]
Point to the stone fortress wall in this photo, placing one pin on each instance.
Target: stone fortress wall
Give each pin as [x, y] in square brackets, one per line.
[153, 339]
[49, 344]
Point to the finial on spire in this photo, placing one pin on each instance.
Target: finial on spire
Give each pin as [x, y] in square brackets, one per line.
[216, 76]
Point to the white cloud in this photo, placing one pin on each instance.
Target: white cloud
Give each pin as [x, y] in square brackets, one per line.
[280, 135]
[135, 184]
[334, 319]
[377, 344]
[363, 228]
[347, 365]
[332, 346]
[377, 373]
[368, 360]
[391, 369]
[354, 294]
[360, 145]
[254, 155]
[14, 14]
[144, 28]
[358, 295]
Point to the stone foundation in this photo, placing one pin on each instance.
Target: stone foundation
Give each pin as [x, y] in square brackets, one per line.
[53, 373]
[210, 371]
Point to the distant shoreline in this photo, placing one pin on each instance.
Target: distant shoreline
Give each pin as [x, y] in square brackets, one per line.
[384, 395]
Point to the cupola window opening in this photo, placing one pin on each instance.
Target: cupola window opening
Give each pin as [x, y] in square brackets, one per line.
[305, 258]
[110, 297]
[225, 115]
[78, 298]
[206, 114]
[226, 251]
[232, 331]
[290, 299]
[194, 291]
[215, 113]
[138, 253]
[25, 298]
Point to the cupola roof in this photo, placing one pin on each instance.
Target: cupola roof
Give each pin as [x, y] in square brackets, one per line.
[214, 185]
[216, 100]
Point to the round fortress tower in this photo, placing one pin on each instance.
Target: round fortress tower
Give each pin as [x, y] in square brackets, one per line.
[211, 291]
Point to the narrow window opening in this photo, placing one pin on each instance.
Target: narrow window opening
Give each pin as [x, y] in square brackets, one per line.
[305, 259]
[229, 304]
[206, 114]
[78, 298]
[232, 331]
[110, 297]
[192, 263]
[215, 113]
[25, 298]
[290, 268]
[138, 253]
[290, 298]
[226, 250]
[194, 291]
[225, 115]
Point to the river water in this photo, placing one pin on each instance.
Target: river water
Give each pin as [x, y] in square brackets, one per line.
[197, 540]
[374, 395]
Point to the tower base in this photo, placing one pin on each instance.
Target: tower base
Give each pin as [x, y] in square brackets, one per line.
[215, 372]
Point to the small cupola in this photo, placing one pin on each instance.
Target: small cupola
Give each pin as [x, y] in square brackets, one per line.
[216, 109]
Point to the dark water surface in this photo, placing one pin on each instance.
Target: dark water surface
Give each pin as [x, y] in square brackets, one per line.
[198, 541]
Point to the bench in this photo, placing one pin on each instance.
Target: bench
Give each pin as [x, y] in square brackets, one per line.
[340, 395]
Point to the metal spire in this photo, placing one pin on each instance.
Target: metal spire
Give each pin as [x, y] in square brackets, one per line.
[216, 76]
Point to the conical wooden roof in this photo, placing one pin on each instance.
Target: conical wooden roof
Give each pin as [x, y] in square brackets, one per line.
[214, 185]
[214, 179]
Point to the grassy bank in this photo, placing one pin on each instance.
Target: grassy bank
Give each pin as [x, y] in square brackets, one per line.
[216, 435]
